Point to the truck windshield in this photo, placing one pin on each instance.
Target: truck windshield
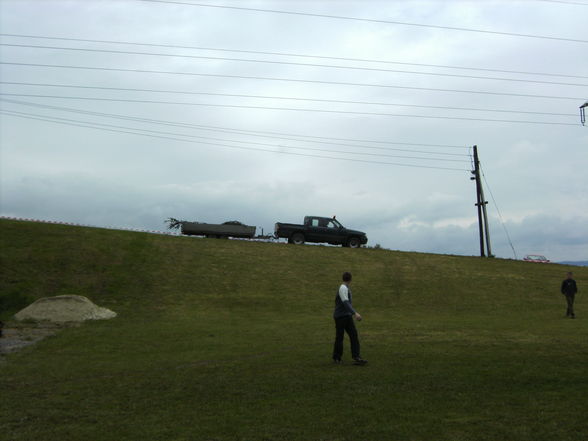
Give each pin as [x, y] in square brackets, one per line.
[334, 224]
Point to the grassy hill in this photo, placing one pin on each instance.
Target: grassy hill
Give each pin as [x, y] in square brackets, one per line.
[231, 340]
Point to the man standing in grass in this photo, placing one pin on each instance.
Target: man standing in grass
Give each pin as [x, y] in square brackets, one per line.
[344, 315]
[569, 289]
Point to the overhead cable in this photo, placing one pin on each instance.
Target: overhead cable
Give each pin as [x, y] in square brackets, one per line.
[370, 20]
[133, 132]
[158, 132]
[257, 133]
[293, 80]
[291, 109]
[378, 103]
[564, 2]
[289, 54]
[289, 63]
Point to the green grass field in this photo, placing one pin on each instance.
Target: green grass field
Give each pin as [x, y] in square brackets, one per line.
[231, 340]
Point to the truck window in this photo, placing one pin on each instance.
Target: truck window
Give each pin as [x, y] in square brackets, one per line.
[332, 224]
[315, 222]
[336, 224]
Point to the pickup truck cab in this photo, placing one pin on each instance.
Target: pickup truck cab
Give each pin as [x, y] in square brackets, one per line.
[320, 230]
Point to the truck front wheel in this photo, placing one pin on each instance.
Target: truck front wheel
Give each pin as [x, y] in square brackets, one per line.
[353, 242]
[297, 239]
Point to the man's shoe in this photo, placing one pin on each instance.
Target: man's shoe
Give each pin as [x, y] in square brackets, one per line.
[337, 360]
[359, 361]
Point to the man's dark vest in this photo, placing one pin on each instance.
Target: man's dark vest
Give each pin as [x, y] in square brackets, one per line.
[340, 309]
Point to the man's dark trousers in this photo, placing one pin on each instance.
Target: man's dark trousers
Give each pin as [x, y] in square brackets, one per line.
[342, 325]
[570, 300]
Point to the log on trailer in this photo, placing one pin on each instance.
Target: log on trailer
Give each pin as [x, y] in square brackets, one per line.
[228, 229]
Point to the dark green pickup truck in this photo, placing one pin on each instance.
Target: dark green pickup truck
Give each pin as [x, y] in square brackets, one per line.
[320, 230]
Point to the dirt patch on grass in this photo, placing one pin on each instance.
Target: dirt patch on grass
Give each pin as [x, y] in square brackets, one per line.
[16, 336]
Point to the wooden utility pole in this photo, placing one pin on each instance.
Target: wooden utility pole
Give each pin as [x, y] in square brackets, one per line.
[485, 248]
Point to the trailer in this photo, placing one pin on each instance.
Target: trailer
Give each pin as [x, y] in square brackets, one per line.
[219, 231]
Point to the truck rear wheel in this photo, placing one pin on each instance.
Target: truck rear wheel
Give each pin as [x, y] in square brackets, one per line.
[297, 239]
[354, 242]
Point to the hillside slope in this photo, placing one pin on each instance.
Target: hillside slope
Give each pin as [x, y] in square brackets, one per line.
[160, 273]
[222, 339]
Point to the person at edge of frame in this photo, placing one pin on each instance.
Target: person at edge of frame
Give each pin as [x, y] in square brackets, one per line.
[344, 315]
[569, 289]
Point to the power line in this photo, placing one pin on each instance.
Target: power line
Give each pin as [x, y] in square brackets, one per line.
[564, 2]
[379, 103]
[291, 109]
[294, 80]
[129, 131]
[289, 54]
[370, 20]
[235, 141]
[290, 63]
[256, 133]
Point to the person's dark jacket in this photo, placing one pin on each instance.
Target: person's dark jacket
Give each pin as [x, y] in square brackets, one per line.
[568, 287]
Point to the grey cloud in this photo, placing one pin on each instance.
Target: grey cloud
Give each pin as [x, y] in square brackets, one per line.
[74, 174]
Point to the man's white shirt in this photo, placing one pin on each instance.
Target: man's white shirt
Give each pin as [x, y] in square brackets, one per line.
[344, 293]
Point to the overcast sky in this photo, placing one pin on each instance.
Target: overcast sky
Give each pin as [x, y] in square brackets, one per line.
[377, 141]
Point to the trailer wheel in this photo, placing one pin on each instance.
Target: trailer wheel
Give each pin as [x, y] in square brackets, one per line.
[353, 242]
[297, 239]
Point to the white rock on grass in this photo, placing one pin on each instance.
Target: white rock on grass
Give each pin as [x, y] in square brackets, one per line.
[62, 309]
